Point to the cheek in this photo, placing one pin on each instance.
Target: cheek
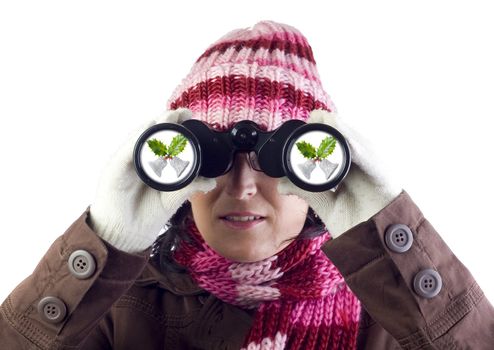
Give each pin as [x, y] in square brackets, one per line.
[293, 211]
[205, 200]
[200, 202]
[203, 205]
[289, 208]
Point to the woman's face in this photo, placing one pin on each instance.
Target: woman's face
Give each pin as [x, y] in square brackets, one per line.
[241, 194]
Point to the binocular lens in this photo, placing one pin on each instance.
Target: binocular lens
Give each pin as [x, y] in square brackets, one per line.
[316, 157]
[166, 159]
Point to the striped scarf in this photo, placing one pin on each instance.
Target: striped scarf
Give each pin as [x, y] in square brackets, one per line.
[301, 300]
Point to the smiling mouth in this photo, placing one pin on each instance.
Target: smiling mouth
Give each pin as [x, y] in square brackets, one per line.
[241, 218]
[241, 222]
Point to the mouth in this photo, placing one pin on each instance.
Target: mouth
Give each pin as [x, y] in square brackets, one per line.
[241, 222]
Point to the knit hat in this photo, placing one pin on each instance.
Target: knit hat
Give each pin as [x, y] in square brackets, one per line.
[266, 74]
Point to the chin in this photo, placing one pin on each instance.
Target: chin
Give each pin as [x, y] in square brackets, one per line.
[223, 246]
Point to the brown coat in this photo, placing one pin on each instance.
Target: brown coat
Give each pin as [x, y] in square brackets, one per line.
[127, 303]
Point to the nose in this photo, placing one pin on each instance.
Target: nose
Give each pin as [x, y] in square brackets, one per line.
[241, 180]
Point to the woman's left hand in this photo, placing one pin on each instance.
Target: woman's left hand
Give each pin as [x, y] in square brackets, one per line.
[365, 190]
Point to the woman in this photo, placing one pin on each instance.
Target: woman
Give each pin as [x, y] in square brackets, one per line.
[244, 262]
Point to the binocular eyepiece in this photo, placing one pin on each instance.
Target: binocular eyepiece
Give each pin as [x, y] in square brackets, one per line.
[315, 157]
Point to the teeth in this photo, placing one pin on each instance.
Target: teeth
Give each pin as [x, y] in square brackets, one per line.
[242, 218]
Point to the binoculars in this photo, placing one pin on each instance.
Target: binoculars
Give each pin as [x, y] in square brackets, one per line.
[314, 156]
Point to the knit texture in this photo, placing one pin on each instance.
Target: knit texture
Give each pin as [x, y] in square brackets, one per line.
[266, 73]
[301, 299]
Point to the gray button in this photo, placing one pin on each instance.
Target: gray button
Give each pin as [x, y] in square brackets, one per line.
[427, 283]
[398, 238]
[81, 264]
[52, 309]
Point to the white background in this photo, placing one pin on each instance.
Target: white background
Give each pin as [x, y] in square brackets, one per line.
[76, 78]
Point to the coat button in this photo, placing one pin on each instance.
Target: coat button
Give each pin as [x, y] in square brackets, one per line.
[398, 238]
[52, 309]
[427, 283]
[81, 264]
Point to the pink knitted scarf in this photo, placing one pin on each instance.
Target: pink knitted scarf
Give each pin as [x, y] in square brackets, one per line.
[302, 300]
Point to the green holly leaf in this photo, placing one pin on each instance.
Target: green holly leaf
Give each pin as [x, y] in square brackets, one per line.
[158, 147]
[307, 150]
[177, 145]
[326, 147]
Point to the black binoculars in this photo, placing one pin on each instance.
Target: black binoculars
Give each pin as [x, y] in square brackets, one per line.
[314, 156]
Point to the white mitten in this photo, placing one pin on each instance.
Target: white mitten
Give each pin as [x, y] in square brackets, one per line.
[126, 212]
[364, 192]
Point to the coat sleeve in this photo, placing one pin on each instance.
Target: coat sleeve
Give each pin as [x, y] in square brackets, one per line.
[70, 291]
[411, 283]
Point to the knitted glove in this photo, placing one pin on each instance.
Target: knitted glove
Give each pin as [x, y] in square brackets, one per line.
[126, 212]
[365, 190]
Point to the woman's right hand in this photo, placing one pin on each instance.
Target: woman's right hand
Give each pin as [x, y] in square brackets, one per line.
[366, 190]
[126, 212]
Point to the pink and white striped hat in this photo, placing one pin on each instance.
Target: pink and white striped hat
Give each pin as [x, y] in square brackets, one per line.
[266, 73]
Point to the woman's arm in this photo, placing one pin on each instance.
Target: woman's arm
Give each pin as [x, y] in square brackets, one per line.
[89, 267]
[79, 296]
[419, 292]
[382, 277]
